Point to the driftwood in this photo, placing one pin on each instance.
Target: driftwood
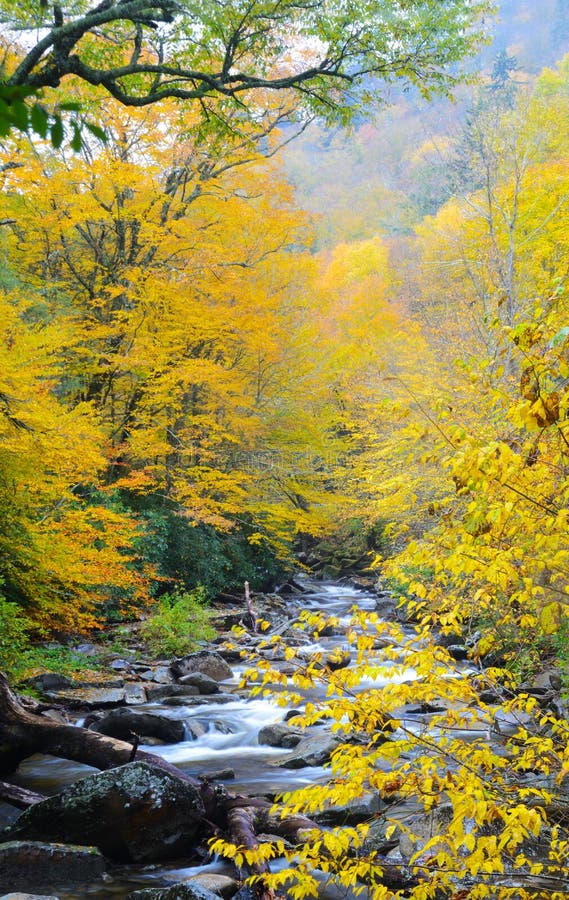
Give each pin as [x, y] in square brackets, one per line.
[18, 796]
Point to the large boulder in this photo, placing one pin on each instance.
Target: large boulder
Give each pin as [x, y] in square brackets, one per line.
[204, 683]
[207, 661]
[88, 697]
[33, 866]
[311, 751]
[134, 813]
[124, 723]
[280, 735]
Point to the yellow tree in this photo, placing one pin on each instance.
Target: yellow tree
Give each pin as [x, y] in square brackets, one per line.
[60, 558]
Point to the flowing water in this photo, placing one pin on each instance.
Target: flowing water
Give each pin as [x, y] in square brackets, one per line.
[221, 736]
[227, 737]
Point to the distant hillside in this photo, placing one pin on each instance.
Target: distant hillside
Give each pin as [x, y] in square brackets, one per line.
[389, 173]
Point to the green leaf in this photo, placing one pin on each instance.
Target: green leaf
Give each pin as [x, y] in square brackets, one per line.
[76, 141]
[19, 115]
[57, 133]
[39, 120]
[97, 131]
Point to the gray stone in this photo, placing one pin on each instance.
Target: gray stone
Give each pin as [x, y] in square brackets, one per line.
[312, 751]
[351, 813]
[424, 827]
[120, 665]
[182, 891]
[135, 694]
[162, 675]
[548, 680]
[159, 691]
[135, 813]
[33, 865]
[204, 683]
[222, 885]
[49, 681]
[207, 661]
[89, 697]
[280, 735]
[19, 896]
[123, 723]
[386, 606]
[87, 649]
[199, 700]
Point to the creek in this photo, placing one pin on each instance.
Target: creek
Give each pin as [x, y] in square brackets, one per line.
[223, 735]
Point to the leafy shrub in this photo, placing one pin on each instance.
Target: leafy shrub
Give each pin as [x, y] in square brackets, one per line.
[191, 555]
[14, 635]
[180, 624]
[56, 658]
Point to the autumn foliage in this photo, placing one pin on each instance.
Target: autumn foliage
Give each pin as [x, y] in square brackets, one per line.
[177, 360]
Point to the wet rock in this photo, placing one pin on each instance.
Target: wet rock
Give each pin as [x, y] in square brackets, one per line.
[339, 658]
[376, 842]
[245, 893]
[222, 885]
[280, 735]
[49, 681]
[386, 605]
[549, 680]
[207, 661]
[18, 896]
[425, 709]
[120, 665]
[489, 696]
[204, 683]
[160, 691]
[231, 654]
[135, 813]
[8, 814]
[196, 729]
[201, 699]
[135, 694]
[424, 827]
[123, 723]
[219, 775]
[313, 751]
[351, 813]
[87, 649]
[32, 866]
[292, 714]
[183, 891]
[507, 723]
[89, 697]
[457, 651]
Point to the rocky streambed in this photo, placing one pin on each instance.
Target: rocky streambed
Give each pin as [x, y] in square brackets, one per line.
[120, 832]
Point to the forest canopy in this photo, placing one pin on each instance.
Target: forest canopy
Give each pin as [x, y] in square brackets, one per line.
[329, 58]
